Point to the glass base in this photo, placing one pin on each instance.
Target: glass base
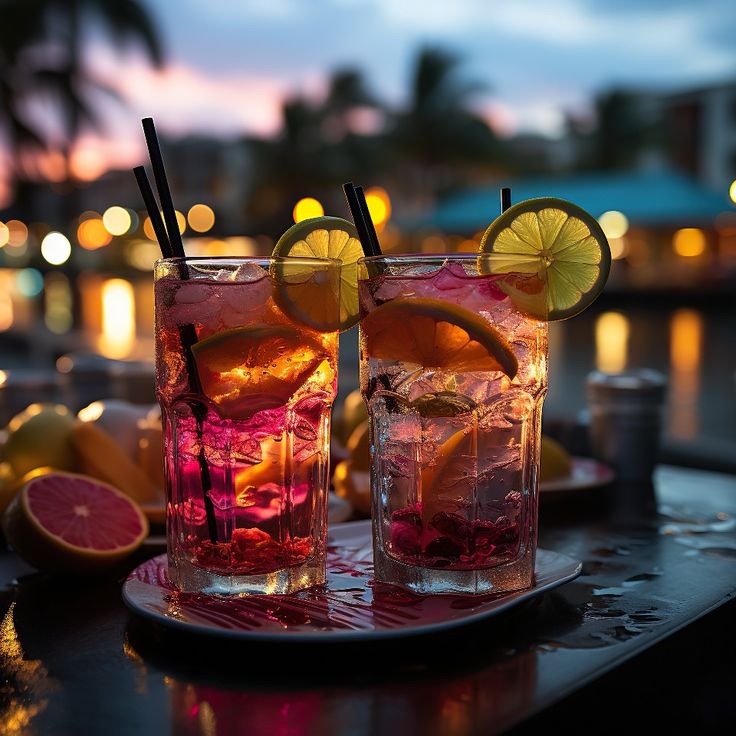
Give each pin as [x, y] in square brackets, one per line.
[505, 578]
[191, 579]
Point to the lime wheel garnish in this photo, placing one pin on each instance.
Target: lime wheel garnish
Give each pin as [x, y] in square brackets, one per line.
[553, 255]
[308, 293]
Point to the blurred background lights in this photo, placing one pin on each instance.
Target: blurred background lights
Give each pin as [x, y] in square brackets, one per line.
[4, 234]
[379, 205]
[732, 191]
[56, 248]
[615, 224]
[307, 207]
[181, 221]
[689, 242]
[611, 342]
[29, 282]
[117, 220]
[201, 218]
[148, 229]
[118, 319]
[18, 233]
[142, 254]
[58, 315]
[619, 248]
[92, 234]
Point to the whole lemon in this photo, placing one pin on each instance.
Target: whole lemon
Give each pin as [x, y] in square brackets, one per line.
[40, 436]
[554, 461]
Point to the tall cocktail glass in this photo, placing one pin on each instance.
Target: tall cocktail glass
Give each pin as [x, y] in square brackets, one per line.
[245, 385]
[454, 376]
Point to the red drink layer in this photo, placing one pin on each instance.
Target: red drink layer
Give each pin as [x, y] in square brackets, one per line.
[455, 446]
[246, 418]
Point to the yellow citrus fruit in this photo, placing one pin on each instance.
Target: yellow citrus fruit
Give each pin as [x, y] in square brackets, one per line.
[359, 446]
[101, 457]
[554, 460]
[436, 334]
[353, 485]
[555, 254]
[40, 436]
[8, 485]
[307, 292]
[354, 412]
[248, 369]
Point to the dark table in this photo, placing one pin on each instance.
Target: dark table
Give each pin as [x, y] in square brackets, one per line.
[644, 636]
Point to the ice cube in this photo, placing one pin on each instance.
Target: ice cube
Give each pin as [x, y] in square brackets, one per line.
[248, 273]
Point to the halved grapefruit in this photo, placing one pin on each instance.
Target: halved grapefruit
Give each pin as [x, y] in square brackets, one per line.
[64, 522]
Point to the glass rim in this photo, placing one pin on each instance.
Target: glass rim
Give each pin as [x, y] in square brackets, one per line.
[421, 257]
[258, 260]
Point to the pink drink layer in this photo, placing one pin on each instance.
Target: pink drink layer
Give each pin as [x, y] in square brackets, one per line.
[243, 427]
[455, 453]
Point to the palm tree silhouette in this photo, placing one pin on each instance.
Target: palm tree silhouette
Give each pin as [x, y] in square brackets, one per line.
[439, 136]
[41, 61]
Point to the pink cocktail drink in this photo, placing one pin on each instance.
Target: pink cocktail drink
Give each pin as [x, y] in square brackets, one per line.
[454, 375]
[246, 390]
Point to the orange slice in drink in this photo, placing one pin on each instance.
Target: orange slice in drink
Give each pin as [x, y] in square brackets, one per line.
[248, 369]
[310, 293]
[436, 334]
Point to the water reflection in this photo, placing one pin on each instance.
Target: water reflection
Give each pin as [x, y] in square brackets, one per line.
[477, 702]
[25, 682]
[118, 319]
[611, 342]
[686, 343]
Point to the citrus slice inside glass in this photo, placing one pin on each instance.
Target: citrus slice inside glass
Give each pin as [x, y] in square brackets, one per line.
[311, 299]
[436, 334]
[248, 369]
[554, 254]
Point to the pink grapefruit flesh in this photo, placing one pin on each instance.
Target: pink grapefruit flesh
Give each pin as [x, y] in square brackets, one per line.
[71, 523]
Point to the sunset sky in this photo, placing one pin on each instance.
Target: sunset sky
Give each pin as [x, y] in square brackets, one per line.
[230, 63]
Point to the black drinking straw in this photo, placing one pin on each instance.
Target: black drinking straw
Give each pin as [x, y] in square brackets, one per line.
[370, 228]
[172, 246]
[505, 198]
[150, 201]
[162, 184]
[360, 223]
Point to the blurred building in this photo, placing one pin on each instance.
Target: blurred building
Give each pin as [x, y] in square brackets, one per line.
[702, 127]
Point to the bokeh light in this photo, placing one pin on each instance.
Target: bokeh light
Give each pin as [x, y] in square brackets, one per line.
[611, 342]
[148, 229]
[58, 313]
[4, 234]
[619, 248]
[87, 164]
[92, 234]
[306, 208]
[29, 282]
[142, 254]
[117, 220]
[201, 218]
[689, 242]
[118, 319]
[56, 248]
[379, 205]
[18, 233]
[181, 221]
[614, 224]
[732, 191]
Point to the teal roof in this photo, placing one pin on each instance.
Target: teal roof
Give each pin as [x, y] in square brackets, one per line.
[646, 198]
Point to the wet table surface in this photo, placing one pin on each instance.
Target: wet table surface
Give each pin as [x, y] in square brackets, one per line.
[649, 622]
